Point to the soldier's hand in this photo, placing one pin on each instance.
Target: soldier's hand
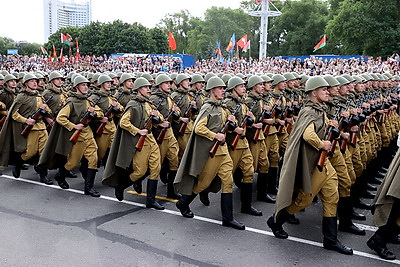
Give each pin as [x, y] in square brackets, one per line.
[220, 137]
[50, 121]
[175, 108]
[78, 126]
[289, 120]
[278, 103]
[30, 121]
[354, 128]
[267, 108]
[231, 118]
[193, 103]
[165, 124]
[91, 109]
[269, 121]
[185, 120]
[239, 130]
[250, 114]
[143, 132]
[43, 106]
[104, 119]
[154, 113]
[281, 122]
[257, 125]
[345, 136]
[326, 145]
[114, 103]
[333, 123]
[295, 103]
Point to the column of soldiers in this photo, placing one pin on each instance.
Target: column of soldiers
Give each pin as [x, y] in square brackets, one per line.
[296, 137]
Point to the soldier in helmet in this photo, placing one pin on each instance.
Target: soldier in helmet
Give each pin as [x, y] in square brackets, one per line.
[106, 102]
[126, 82]
[41, 83]
[197, 163]
[169, 147]
[16, 147]
[301, 178]
[60, 144]
[8, 94]
[128, 162]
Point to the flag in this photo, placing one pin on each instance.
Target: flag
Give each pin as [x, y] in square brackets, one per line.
[70, 51]
[54, 54]
[218, 52]
[44, 51]
[246, 46]
[242, 41]
[171, 41]
[231, 44]
[66, 39]
[77, 55]
[321, 43]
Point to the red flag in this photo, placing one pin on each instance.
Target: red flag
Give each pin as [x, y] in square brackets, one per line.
[54, 54]
[77, 55]
[171, 41]
[321, 43]
[242, 41]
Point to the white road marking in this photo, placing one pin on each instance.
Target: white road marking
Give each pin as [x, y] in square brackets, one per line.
[204, 219]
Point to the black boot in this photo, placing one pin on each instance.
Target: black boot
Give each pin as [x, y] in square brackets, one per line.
[183, 205]
[204, 198]
[60, 178]
[293, 220]
[237, 178]
[358, 216]
[83, 168]
[272, 181]
[355, 196]
[24, 167]
[276, 223]
[170, 186]
[123, 182]
[394, 240]
[43, 175]
[227, 212]
[18, 162]
[151, 195]
[89, 181]
[378, 244]
[329, 230]
[345, 210]
[164, 173]
[137, 185]
[245, 196]
[262, 195]
[371, 187]
[71, 174]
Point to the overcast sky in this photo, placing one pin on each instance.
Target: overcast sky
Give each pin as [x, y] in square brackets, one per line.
[22, 20]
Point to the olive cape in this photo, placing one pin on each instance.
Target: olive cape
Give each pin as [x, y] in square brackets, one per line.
[55, 102]
[197, 150]
[387, 193]
[58, 143]
[300, 158]
[123, 146]
[11, 139]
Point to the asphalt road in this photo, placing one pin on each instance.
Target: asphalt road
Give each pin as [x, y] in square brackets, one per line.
[46, 226]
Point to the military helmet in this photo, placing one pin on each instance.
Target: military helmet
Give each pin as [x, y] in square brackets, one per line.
[358, 79]
[173, 75]
[124, 77]
[162, 78]
[9, 77]
[29, 76]
[55, 74]
[1, 77]
[349, 77]
[154, 75]
[147, 76]
[103, 78]
[208, 76]
[315, 82]
[80, 79]
[4, 72]
[297, 76]
[304, 78]
[39, 75]
[233, 82]
[332, 81]
[95, 77]
[240, 75]
[140, 82]
[112, 75]
[254, 80]
[278, 78]
[196, 78]
[226, 77]
[21, 75]
[180, 77]
[214, 82]
[90, 75]
[289, 76]
[342, 81]
[266, 78]
[119, 74]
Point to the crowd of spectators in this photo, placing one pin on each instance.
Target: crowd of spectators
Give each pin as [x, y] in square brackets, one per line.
[167, 63]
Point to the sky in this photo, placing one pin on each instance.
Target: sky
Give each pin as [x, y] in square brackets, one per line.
[22, 20]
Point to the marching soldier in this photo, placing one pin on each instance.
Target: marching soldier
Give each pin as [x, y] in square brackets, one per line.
[299, 169]
[126, 82]
[202, 165]
[24, 135]
[135, 149]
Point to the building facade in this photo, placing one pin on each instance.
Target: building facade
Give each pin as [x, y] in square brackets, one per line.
[59, 14]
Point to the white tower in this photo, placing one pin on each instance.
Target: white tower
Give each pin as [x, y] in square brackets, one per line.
[264, 13]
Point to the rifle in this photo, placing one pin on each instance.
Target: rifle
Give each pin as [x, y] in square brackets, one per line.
[171, 115]
[147, 125]
[246, 120]
[288, 112]
[228, 125]
[343, 126]
[39, 112]
[275, 110]
[83, 120]
[188, 113]
[331, 134]
[111, 109]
